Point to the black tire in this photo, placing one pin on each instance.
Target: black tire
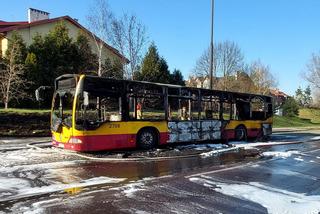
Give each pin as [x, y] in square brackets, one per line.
[147, 139]
[241, 133]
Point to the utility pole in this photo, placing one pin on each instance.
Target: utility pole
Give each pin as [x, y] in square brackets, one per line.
[211, 45]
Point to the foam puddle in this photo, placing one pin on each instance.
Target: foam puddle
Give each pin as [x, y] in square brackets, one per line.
[18, 189]
[280, 154]
[273, 199]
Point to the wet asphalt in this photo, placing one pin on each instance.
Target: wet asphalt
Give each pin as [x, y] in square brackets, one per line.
[186, 185]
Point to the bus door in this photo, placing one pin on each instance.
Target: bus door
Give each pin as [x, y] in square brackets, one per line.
[61, 119]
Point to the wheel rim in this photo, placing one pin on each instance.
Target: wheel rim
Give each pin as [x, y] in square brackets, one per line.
[146, 138]
[240, 134]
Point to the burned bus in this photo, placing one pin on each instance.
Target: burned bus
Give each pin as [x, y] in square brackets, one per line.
[92, 113]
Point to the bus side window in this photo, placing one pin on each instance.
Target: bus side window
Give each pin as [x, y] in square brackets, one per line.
[257, 109]
[132, 108]
[243, 110]
[226, 110]
[269, 110]
[146, 108]
[173, 108]
[210, 109]
[184, 111]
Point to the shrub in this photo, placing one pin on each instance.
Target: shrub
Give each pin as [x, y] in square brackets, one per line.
[290, 107]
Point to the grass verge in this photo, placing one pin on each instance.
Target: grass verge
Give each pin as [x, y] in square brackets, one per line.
[24, 122]
[284, 122]
[310, 113]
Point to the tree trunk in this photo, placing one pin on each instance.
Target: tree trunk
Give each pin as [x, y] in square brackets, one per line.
[100, 60]
[6, 105]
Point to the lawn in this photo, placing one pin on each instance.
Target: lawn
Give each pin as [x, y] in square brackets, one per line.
[280, 122]
[312, 114]
[306, 118]
[24, 122]
[24, 111]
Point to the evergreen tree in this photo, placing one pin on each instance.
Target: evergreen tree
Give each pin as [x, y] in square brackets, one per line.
[303, 97]
[61, 51]
[112, 70]
[16, 49]
[307, 96]
[177, 78]
[36, 63]
[52, 55]
[290, 107]
[299, 96]
[55, 54]
[88, 61]
[154, 68]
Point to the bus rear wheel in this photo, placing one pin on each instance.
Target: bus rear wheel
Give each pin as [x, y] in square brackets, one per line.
[241, 133]
[147, 139]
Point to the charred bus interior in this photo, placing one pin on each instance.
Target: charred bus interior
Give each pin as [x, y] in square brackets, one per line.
[100, 100]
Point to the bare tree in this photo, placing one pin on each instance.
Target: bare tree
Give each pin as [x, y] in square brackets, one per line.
[312, 74]
[228, 60]
[99, 21]
[129, 37]
[203, 63]
[262, 77]
[12, 84]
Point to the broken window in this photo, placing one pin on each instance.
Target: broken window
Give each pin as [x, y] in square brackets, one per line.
[242, 109]
[94, 109]
[226, 111]
[210, 107]
[258, 111]
[146, 102]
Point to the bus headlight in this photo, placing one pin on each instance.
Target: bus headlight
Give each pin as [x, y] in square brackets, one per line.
[75, 140]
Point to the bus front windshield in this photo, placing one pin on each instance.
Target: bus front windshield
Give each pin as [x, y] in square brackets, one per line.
[94, 109]
[62, 109]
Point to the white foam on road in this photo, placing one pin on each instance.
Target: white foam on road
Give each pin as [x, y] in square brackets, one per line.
[131, 188]
[215, 152]
[316, 138]
[205, 146]
[247, 145]
[273, 199]
[280, 154]
[299, 159]
[20, 188]
[31, 156]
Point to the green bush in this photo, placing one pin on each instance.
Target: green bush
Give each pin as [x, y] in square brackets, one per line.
[290, 107]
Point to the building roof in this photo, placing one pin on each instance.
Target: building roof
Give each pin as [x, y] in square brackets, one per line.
[278, 93]
[4, 24]
[6, 27]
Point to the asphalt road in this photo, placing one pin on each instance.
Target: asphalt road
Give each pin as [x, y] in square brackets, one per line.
[284, 180]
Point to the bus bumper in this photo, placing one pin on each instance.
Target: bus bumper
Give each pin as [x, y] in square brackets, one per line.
[267, 129]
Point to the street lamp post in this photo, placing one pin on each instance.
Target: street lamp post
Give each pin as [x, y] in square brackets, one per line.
[211, 45]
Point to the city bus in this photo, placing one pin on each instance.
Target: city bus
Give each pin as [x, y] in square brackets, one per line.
[91, 113]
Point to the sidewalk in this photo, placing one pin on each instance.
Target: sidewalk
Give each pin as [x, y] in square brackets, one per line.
[294, 129]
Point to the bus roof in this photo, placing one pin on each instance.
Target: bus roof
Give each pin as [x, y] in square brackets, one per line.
[76, 76]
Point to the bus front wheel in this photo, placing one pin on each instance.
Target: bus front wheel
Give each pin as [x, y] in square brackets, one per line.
[241, 133]
[147, 139]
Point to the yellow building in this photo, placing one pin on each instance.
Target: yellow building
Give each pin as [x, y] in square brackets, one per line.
[39, 22]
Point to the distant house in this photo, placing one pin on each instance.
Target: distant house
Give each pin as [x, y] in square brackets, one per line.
[198, 82]
[279, 98]
[39, 22]
[240, 82]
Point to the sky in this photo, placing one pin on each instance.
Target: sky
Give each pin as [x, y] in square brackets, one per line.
[281, 33]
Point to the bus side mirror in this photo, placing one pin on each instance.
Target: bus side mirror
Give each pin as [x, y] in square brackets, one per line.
[41, 91]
